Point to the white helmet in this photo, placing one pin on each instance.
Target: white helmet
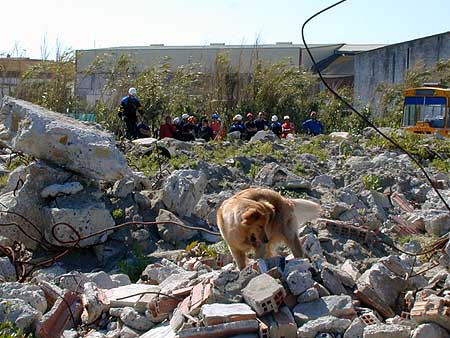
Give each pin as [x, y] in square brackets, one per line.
[132, 91]
[286, 117]
[274, 118]
[237, 117]
[185, 116]
[176, 120]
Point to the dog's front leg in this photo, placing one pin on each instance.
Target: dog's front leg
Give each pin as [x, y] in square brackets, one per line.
[239, 257]
[294, 244]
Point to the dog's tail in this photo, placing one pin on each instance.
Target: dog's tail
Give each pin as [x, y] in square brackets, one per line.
[305, 211]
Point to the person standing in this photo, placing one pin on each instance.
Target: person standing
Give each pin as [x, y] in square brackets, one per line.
[287, 127]
[313, 125]
[129, 106]
[275, 126]
[261, 123]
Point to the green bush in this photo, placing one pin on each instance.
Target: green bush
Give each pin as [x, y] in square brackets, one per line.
[373, 182]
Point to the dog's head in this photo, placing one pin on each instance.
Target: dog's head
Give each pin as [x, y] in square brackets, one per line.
[257, 220]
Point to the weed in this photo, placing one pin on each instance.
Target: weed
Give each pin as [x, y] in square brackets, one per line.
[118, 214]
[442, 165]
[315, 149]
[134, 267]
[182, 161]
[373, 182]
[200, 249]
[291, 193]
[3, 181]
[299, 169]
[254, 170]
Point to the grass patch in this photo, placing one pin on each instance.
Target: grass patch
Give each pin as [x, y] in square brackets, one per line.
[134, 267]
[9, 330]
[373, 182]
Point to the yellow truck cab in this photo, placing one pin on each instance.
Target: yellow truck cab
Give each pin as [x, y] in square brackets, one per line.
[426, 110]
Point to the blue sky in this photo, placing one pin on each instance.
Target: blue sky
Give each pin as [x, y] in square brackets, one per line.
[83, 24]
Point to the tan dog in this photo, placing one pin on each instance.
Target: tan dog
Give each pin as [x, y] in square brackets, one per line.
[259, 219]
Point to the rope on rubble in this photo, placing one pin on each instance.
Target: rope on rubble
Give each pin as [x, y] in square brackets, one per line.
[364, 118]
[24, 268]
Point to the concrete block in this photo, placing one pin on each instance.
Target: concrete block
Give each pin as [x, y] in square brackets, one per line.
[280, 324]
[297, 264]
[133, 295]
[161, 331]
[323, 324]
[299, 282]
[386, 331]
[264, 294]
[337, 306]
[309, 295]
[213, 314]
[220, 331]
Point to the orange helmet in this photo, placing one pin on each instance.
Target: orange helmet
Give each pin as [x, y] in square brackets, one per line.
[250, 115]
[191, 119]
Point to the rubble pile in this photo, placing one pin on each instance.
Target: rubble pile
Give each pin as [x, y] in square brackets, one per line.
[163, 280]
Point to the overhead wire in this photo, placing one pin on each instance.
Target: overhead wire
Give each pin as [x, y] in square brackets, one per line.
[364, 118]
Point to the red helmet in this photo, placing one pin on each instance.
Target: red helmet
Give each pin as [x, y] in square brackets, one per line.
[250, 115]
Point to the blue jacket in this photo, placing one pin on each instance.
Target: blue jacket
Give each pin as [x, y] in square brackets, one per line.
[314, 127]
[128, 108]
[276, 128]
[237, 127]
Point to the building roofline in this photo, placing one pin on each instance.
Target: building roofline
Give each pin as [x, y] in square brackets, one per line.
[212, 46]
[408, 41]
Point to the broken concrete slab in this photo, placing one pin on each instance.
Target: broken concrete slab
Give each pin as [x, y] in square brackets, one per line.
[54, 190]
[29, 293]
[386, 331]
[328, 324]
[60, 139]
[280, 324]
[308, 296]
[130, 317]
[19, 312]
[160, 331]
[130, 295]
[264, 294]
[430, 330]
[213, 314]
[337, 306]
[299, 282]
[93, 302]
[87, 216]
[172, 233]
[221, 330]
[182, 191]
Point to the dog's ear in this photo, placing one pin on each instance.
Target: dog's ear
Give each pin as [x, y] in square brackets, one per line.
[251, 216]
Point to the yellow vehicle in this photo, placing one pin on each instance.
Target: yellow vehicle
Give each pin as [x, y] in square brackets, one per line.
[427, 110]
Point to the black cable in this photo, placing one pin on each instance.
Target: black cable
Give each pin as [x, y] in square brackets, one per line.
[364, 118]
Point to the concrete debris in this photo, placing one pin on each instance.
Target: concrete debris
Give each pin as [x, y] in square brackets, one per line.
[386, 331]
[182, 191]
[55, 190]
[65, 313]
[18, 312]
[337, 306]
[165, 281]
[221, 330]
[213, 314]
[264, 294]
[430, 330]
[328, 324]
[59, 139]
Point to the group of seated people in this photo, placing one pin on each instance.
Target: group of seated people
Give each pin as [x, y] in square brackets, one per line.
[186, 128]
